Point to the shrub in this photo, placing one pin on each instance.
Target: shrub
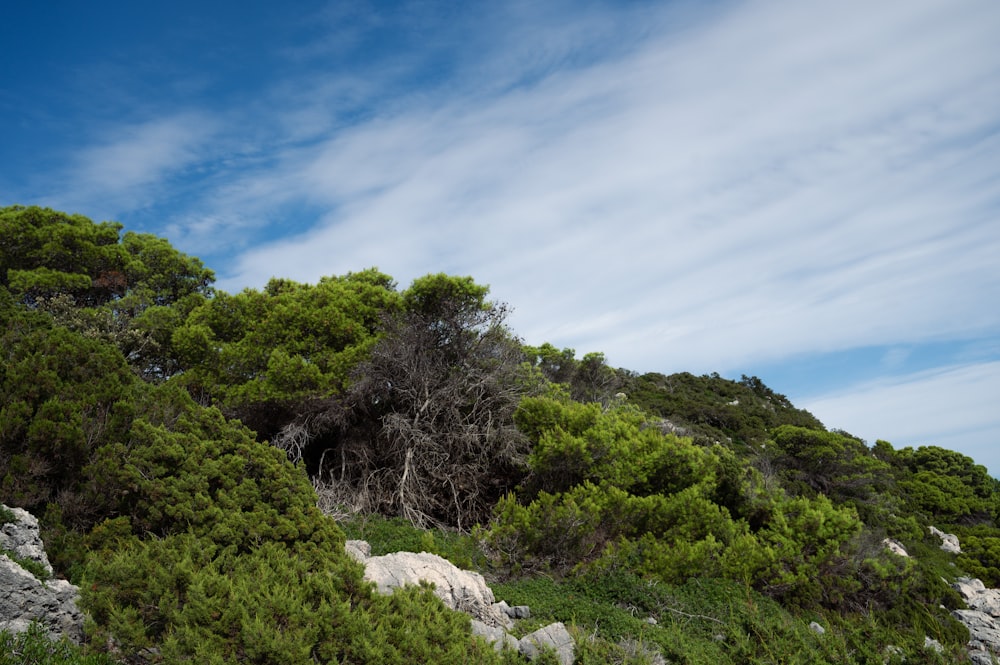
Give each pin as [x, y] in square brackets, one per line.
[35, 647]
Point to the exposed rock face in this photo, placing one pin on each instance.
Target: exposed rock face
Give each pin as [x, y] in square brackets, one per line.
[984, 635]
[499, 637]
[25, 599]
[459, 589]
[895, 547]
[465, 591]
[977, 596]
[982, 618]
[21, 537]
[554, 636]
[949, 541]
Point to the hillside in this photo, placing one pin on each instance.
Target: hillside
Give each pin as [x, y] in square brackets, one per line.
[197, 457]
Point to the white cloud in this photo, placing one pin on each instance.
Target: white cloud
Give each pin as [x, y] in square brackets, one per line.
[123, 169]
[952, 407]
[782, 180]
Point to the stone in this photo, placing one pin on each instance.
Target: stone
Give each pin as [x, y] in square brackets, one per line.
[459, 589]
[554, 636]
[977, 596]
[21, 537]
[816, 628]
[895, 547]
[495, 635]
[933, 645]
[359, 550]
[949, 541]
[984, 634]
[25, 599]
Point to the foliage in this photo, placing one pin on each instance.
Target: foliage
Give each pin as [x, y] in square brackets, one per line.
[62, 396]
[425, 431]
[136, 404]
[129, 290]
[395, 534]
[34, 647]
[260, 355]
[980, 555]
[589, 379]
[706, 621]
[223, 557]
[717, 409]
[618, 492]
[947, 486]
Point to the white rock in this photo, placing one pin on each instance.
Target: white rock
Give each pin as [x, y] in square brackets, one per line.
[21, 537]
[977, 596]
[459, 589]
[895, 547]
[25, 600]
[495, 635]
[554, 636]
[359, 550]
[949, 541]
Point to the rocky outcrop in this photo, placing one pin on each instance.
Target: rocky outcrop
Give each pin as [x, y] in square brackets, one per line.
[895, 547]
[459, 589]
[555, 637]
[982, 619]
[465, 591]
[27, 599]
[949, 541]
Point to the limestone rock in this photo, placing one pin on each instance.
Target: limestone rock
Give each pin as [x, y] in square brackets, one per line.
[984, 634]
[25, 599]
[977, 596]
[554, 636]
[895, 547]
[949, 541]
[459, 589]
[21, 537]
[816, 628]
[359, 550]
[496, 635]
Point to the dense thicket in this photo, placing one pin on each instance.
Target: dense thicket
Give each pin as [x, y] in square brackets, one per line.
[173, 437]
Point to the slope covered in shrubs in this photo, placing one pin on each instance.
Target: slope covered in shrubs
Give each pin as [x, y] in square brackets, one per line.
[175, 441]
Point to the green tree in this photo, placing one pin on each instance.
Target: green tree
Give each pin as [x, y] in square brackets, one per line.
[262, 356]
[62, 396]
[425, 431]
[130, 290]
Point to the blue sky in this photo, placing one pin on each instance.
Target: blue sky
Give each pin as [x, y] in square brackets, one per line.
[808, 192]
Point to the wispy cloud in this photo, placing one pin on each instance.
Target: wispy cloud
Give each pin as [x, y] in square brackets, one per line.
[777, 180]
[123, 168]
[953, 407]
[684, 186]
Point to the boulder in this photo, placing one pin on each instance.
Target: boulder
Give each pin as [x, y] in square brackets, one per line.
[977, 596]
[949, 541]
[554, 636]
[21, 537]
[359, 550]
[25, 598]
[895, 547]
[495, 635]
[459, 589]
[984, 634]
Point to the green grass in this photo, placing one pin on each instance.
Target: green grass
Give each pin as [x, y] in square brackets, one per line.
[35, 648]
[387, 535]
